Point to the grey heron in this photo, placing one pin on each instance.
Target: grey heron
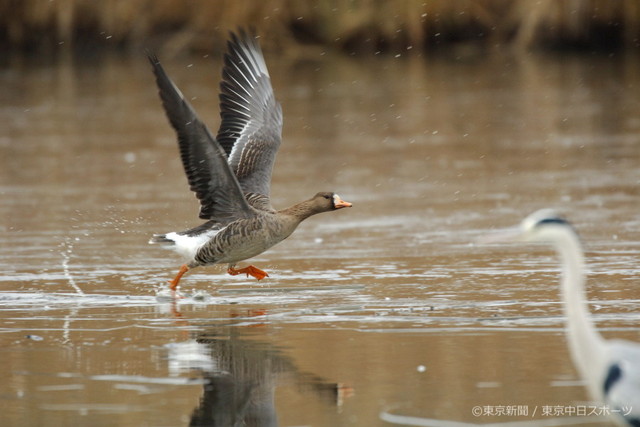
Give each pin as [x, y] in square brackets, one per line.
[611, 368]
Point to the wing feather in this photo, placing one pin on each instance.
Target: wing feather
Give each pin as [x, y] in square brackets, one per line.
[251, 118]
[204, 160]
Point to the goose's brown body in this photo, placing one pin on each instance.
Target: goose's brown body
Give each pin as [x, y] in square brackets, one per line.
[231, 174]
[246, 238]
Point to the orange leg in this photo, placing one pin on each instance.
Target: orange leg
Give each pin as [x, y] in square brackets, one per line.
[250, 271]
[173, 284]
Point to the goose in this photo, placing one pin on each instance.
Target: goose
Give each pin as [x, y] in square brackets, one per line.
[231, 173]
[610, 368]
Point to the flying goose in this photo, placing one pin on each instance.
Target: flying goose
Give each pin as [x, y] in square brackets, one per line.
[231, 173]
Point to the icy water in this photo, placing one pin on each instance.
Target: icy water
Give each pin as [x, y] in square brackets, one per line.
[384, 314]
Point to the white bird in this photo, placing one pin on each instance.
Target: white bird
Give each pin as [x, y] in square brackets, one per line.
[611, 368]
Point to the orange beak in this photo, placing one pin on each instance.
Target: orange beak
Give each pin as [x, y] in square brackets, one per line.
[339, 203]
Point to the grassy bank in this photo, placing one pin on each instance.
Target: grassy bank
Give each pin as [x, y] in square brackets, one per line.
[361, 26]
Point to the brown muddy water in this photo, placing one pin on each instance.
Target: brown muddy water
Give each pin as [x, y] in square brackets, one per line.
[384, 314]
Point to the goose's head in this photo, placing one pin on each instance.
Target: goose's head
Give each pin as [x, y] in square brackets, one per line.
[327, 201]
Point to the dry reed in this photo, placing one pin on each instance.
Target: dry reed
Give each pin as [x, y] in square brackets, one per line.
[353, 26]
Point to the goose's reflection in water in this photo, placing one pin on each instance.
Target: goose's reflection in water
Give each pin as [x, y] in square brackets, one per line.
[242, 374]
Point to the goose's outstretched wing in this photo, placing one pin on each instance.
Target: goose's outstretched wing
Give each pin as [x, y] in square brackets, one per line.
[251, 118]
[204, 160]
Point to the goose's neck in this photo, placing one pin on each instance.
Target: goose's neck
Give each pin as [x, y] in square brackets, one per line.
[300, 211]
[585, 342]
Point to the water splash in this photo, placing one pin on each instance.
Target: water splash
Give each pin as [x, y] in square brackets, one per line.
[67, 251]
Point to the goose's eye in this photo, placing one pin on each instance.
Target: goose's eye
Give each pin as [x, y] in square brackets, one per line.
[326, 196]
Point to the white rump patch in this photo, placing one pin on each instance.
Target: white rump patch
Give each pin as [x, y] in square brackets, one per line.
[188, 246]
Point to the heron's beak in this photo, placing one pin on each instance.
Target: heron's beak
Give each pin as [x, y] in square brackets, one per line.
[503, 236]
[338, 203]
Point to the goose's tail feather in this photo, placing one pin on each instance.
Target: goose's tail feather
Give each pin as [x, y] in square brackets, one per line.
[161, 239]
[184, 243]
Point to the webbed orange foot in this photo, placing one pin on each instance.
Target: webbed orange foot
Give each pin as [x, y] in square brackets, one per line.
[173, 284]
[250, 271]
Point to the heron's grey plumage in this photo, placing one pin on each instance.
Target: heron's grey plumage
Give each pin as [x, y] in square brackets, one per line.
[611, 368]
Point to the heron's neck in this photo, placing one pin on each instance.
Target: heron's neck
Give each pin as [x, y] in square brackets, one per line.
[585, 342]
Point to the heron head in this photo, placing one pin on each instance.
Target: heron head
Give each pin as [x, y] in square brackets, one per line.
[543, 226]
[540, 226]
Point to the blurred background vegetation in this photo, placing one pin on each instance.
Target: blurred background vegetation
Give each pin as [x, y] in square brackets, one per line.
[351, 26]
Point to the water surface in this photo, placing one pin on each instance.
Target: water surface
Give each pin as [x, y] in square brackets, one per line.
[386, 313]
